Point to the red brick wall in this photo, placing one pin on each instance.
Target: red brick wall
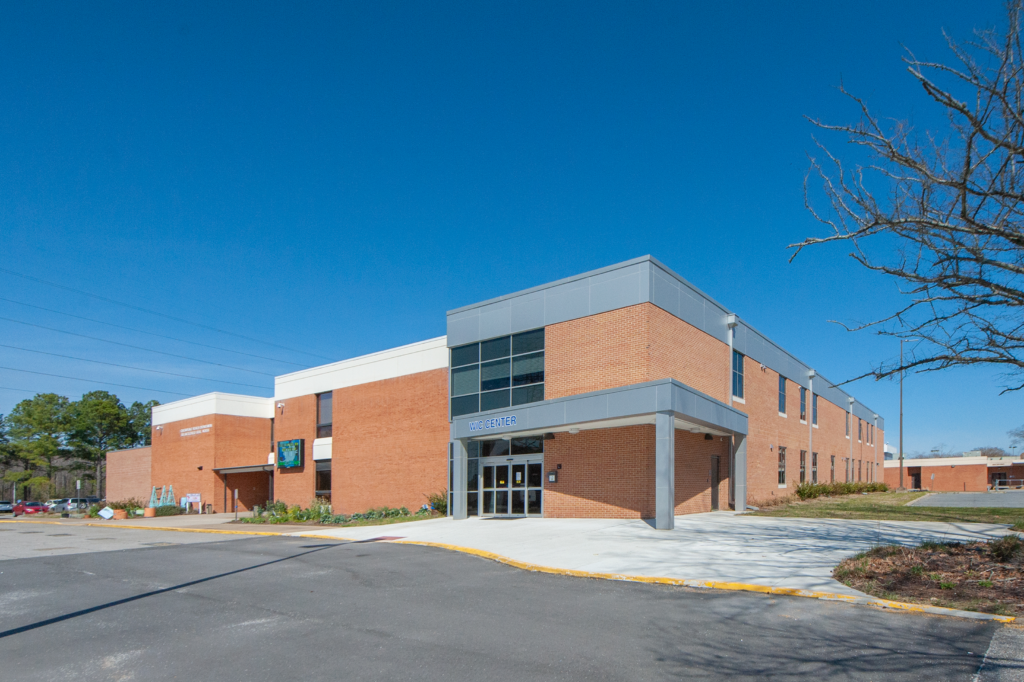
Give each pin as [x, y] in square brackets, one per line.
[693, 472]
[957, 479]
[644, 343]
[231, 441]
[390, 444]
[606, 473]
[128, 474]
[297, 419]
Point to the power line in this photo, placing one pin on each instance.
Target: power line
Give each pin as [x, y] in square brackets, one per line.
[140, 369]
[162, 336]
[23, 390]
[93, 381]
[128, 345]
[153, 312]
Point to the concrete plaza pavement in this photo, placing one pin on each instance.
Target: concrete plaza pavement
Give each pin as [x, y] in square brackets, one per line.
[717, 546]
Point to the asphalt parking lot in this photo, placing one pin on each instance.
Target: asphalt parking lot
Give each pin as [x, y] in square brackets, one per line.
[1007, 498]
[278, 608]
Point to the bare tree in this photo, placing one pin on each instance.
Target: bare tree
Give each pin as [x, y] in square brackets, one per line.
[946, 211]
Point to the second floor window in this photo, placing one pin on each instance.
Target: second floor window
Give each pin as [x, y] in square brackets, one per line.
[737, 374]
[814, 409]
[803, 404]
[324, 417]
[860, 430]
[782, 394]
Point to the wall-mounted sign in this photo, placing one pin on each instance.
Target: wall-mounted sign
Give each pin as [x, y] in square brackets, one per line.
[289, 453]
[492, 423]
[196, 430]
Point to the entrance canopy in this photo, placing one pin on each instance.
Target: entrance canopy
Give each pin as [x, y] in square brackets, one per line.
[666, 403]
[244, 470]
[610, 408]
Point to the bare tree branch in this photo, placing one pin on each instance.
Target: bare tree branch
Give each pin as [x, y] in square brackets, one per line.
[942, 215]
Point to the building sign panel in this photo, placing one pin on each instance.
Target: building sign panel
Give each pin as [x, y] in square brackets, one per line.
[289, 453]
[196, 430]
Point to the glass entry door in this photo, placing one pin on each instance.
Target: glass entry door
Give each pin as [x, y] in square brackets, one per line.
[512, 488]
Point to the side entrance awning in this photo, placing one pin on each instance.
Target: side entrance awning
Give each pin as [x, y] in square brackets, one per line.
[666, 403]
[244, 470]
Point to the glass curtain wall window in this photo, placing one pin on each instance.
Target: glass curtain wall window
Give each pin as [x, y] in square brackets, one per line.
[497, 373]
[782, 394]
[803, 404]
[324, 417]
[782, 466]
[737, 374]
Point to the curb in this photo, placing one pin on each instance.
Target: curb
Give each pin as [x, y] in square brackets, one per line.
[716, 585]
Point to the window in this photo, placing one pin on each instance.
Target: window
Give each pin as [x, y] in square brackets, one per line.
[832, 474]
[814, 467]
[497, 373]
[803, 404]
[847, 424]
[323, 414]
[782, 394]
[803, 466]
[737, 374]
[782, 466]
[322, 484]
[860, 469]
[860, 430]
[814, 409]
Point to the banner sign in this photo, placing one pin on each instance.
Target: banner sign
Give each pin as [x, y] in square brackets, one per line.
[289, 453]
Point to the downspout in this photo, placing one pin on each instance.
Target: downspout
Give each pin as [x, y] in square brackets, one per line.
[874, 443]
[731, 320]
[849, 467]
[810, 422]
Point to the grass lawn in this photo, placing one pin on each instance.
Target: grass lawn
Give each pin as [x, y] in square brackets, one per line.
[891, 507]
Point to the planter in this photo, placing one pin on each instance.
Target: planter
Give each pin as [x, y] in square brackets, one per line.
[120, 514]
[149, 512]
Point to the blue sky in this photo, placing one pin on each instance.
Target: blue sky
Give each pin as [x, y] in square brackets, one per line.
[332, 177]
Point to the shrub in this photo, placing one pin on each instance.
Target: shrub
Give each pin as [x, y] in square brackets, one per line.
[169, 510]
[439, 502]
[131, 504]
[810, 491]
[94, 511]
[1005, 548]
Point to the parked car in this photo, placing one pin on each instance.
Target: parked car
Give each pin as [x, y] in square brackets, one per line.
[50, 504]
[29, 508]
[70, 504]
[6, 506]
[93, 500]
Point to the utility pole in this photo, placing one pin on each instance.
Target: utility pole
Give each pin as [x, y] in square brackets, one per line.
[902, 372]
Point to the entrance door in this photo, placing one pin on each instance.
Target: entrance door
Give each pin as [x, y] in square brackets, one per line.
[915, 481]
[513, 488]
[714, 483]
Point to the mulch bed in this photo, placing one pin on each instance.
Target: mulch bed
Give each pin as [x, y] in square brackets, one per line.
[968, 576]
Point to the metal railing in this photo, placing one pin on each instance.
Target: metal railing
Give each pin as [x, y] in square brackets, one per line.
[1008, 484]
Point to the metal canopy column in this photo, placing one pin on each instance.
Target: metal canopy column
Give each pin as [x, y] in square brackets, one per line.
[460, 463]
[665, 471]
[740, 471]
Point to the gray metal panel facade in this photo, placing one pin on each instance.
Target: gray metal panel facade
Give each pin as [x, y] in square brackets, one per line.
[651, 397]
[641, 280]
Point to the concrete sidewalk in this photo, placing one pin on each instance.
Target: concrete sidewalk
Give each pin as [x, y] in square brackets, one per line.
[719, 546]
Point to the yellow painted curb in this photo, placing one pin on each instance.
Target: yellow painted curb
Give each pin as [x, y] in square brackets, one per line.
[716, 585]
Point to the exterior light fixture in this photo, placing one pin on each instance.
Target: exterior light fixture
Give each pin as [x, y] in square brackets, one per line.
[574, 431]
[695, 429]
[708, 436]
[200, 467]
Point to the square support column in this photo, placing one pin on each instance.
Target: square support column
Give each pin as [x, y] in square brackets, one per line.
[739, 472]
[665, 471]
[460, 463]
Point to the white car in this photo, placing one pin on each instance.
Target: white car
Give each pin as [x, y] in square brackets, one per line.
[50, 504]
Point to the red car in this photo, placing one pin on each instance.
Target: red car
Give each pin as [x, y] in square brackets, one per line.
[29, 508]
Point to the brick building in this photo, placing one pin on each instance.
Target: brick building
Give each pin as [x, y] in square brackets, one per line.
[623, 392]
[956, 474]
